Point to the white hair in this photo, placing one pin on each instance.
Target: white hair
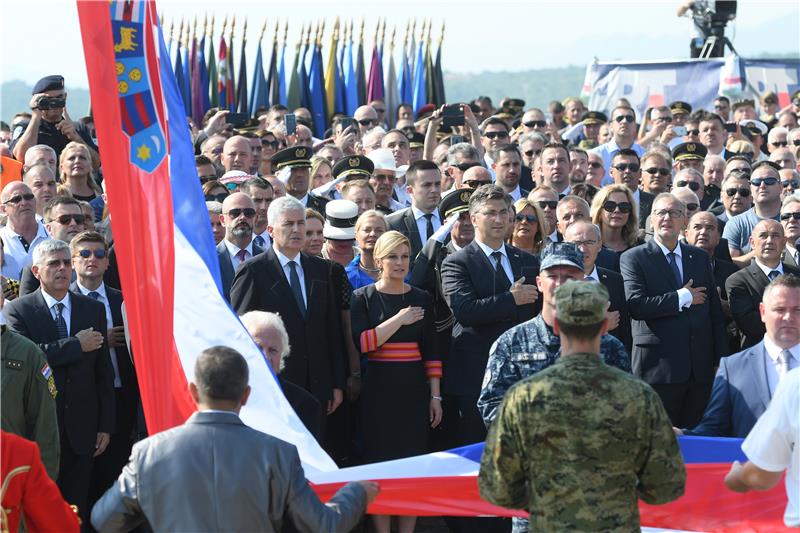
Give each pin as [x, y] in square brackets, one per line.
[253, 320]
[29, 153]
[46, 248]
[774, 132]
[713, 158]
[696, 174]
[214, 207]
[280, 206]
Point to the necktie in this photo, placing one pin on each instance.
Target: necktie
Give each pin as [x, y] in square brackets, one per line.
[259, 240]
[774, 274]
[294, 282]
[428, 225]
[675, 270]
[241, 255]
[783, 362]
[61, 324]
[498, 266]
[94, 294]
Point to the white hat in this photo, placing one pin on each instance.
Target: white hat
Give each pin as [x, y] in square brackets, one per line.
[755, 124]
[234, 176]
[383, 159]
[340, 220]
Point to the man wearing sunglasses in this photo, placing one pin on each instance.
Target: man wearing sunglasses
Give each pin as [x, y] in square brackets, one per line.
[460, 158]
[777, 138]
[494, 134]
[790, 220]
[736, 197]
[623, 130]
[366, 117]
[238, 215]
[534, 121]
[22, 232]
[765, 187]
[656, 173]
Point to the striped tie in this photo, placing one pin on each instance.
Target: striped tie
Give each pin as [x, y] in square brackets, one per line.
[61, 324]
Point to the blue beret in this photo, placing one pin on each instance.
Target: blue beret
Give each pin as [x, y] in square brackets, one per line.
[48, 83]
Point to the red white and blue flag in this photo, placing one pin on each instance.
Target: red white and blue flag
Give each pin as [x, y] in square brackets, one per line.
[170, 273]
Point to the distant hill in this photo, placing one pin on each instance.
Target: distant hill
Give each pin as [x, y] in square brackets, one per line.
[536, 87]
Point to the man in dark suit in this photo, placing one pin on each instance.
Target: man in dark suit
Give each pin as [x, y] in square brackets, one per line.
[589, 240]
[252, 481]
[421, 220]
[790, 220]
[238, 213]
[295, 163]
[746, 381]
[507, 165]
[490, 288]
[69, 329]
[297, 287]
[90, 261]
[626, 170]
[746, 287]
[678, 327]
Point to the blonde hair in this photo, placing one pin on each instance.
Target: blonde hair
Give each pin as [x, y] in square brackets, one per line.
[76, 146]
[387, 243]
[316, 164]
[630, 233]
[541, 227]
[370, 213]
[313, 213]
[742, 147]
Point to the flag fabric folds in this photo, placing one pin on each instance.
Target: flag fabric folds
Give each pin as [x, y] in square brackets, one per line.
[213, 83]
[241, 85]
[375, 83]
[439, 97]
[420, 82]
[350, 80]
[258, 93]
[391, 98]
[316, 90]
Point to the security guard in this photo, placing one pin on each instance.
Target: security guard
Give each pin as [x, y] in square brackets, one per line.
[28, 396]
[353, 167]
[579, 443]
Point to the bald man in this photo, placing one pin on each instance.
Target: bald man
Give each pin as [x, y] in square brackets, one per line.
[42, 181]
[22, 232]
[473, 178]
[238, 216]
[367, 118]
[237, 154]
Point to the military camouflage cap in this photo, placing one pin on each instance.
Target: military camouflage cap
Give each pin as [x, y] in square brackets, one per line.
[581, 302]
[561, 254]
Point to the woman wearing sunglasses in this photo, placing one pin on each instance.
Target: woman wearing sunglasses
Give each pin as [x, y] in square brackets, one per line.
[214, 191]
[614, 212]
[528, 232]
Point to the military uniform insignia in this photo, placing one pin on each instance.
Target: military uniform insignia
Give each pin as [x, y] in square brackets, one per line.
[465, 196]
[47, 372]
[301, 152]
[690, 147]
[354, 162]
[14, 364]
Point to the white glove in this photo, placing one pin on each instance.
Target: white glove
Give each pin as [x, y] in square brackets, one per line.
[323, 190]
[444, 230]
[284, 174]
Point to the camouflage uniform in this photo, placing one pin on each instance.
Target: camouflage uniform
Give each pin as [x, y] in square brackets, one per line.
[578, 443]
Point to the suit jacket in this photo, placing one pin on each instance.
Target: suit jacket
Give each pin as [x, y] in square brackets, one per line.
[616, 293]
[226, 267]
[722, 271]
[745, 290]
[788, 259]
[404, 222]
[526, 179]
[316, 361]
[307, 407]
[84, 380]
[483, 309]
[607, 259]
[672, 345]
[231, 478]
[645, 206]
[740, 395]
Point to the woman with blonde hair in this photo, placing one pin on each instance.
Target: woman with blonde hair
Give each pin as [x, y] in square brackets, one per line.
[362, 270]
[75, 169]
[530, 227]
[614, 212]
[393, 325]
[320, 172]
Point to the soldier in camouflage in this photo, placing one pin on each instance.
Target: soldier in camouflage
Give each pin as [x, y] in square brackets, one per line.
[579, 443]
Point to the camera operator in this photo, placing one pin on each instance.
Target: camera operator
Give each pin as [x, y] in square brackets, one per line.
[50, 123]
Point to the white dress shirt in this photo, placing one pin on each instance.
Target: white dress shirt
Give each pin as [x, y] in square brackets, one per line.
[684, 295]
[51, 305]
[233, 252]
[267, 240]
[504, 261]
[287, 271]
[766, 270]
[594, 276]
[101, 290]
[422, 222]
[12, 246]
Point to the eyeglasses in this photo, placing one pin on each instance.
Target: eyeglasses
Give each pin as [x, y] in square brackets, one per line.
[535, 124]
[496, 135]
[692, 206]
[210, 177]
[787, 216]
[531, 153]
[790, 183]
[743, 192]
[86, 254]
[693, 185]
[248, 212]
[693, 133]
[622, 167]
[756, 182]
[367, 122]
[624, 118]
[463, 167]
[595, 164]
[64, 219]
[796, 142]
[545, 204]
[656, 170]
[780, 144]
[668, 213]
[216, 197]
[584, 243]
[529, 218]
[624, 207]
[494, 214]
[14, 200]
[474, 184]
[55, 263]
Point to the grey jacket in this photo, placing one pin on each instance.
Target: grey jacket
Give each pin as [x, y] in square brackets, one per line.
[214, 473]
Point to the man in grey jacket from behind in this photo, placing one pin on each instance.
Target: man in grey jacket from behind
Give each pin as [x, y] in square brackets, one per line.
[214, 473]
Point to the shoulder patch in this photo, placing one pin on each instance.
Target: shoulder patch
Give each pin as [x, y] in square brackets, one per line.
[46, 371]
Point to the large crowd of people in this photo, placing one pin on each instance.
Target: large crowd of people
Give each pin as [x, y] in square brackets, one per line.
[401, 280]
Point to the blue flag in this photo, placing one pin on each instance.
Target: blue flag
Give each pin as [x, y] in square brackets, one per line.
[316, 90]
[420, 81]
[258, 92]
[282, 76]
[350, 80]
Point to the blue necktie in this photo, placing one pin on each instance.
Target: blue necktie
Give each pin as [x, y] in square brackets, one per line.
[774, 274]
[61, 324]
[294, 282]
[259, 240]
[94, 294]
[675, 270]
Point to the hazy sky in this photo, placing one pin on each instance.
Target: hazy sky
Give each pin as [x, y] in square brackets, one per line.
[480, 35]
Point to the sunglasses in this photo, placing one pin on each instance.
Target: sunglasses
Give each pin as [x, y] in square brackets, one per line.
[787, 216]
[210, 177]
[692, 206]
[660, 171]
[790, 183]
[463, 167]
[14, 200]
[624, 207]
[530, 218]
[796, 142]
[756, 182]
[495, 134]
[231, 186]
[86, 254]
[535, 124]
[693, 185]
[743, 192]
[693, 133]
[248, 212]
[622, 167]
[474, 184]
[781, 144]
[595, 164]
[64, 219]
[531, 153]
[624, 118]
[544, 204]
[367, 122]
[216, 197]
[271, 144]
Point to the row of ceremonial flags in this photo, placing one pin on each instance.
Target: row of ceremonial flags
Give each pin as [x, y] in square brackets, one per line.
[171, 280]
[326, 81]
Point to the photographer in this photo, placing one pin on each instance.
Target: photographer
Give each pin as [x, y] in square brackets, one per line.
[50, 123]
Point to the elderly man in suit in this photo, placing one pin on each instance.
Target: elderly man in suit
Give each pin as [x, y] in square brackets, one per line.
[678, 327]
[298, 287]
[238, 214]
[250, 482]
[421, 220]
[746, 286]
[489, 285]
[746, 381]
[790, 220]
[70, 329]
